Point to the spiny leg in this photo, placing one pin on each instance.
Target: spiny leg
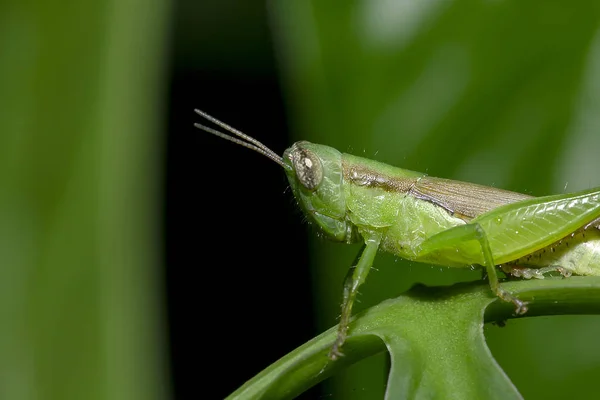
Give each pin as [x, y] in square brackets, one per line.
[538, 273]
[356, 276]
[453, 236]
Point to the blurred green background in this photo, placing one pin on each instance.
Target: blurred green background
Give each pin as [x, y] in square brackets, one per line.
[141, 258]
[81, 294]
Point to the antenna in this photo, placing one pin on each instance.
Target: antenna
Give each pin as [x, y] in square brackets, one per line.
[247, 141]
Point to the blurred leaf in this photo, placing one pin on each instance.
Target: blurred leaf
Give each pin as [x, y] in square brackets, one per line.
[78, 173]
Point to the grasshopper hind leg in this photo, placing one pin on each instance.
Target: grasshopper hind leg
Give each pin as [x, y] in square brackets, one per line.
[538, 273]
[478, 233]
[458, 234]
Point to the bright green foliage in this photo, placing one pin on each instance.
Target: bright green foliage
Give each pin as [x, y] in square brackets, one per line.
[435, 339]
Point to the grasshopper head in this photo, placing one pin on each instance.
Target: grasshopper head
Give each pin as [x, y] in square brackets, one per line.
[315, 175]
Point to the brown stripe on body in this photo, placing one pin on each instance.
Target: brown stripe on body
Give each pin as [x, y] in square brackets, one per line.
[360, 175]
[463, 199]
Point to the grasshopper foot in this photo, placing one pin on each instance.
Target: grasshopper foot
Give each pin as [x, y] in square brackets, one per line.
[335, 352]
[520, 305]
[336, 349]
[564, 272]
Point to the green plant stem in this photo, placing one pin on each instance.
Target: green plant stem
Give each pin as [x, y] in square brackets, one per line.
[308, 364]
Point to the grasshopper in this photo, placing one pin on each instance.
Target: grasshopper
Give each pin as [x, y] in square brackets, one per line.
[432, 220]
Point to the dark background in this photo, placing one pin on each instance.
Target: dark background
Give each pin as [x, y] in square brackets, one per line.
[251, 303]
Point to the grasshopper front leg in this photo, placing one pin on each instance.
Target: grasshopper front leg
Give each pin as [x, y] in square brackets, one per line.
[356, 276]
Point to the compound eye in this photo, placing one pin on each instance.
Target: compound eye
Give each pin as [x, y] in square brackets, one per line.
[308, 167]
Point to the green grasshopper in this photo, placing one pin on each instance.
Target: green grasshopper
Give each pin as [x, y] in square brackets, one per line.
[433, 220]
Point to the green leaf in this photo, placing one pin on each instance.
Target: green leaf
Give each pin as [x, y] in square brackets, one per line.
[435, 340]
